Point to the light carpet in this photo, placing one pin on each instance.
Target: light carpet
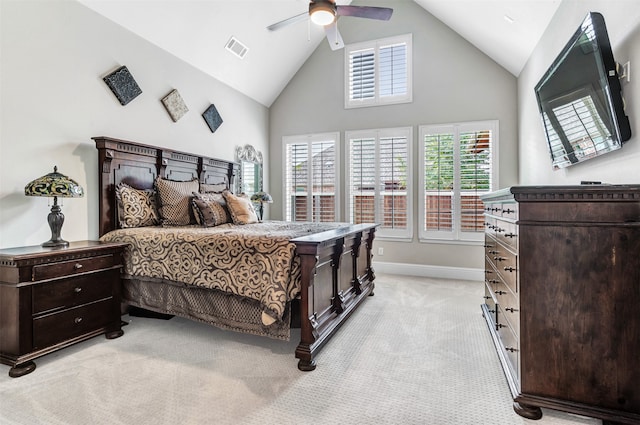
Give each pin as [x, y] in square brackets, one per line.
[418, 352]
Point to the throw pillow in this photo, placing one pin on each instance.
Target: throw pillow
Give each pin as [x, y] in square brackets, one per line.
[175, 201]
[210, 209]
[136, 207]
[241, 208]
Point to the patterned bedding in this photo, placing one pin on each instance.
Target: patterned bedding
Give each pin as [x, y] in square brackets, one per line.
[254, 260]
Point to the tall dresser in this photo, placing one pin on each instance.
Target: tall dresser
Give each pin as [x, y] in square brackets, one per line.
[562, 297]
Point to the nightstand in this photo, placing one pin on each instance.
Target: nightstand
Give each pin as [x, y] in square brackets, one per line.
[51, 298]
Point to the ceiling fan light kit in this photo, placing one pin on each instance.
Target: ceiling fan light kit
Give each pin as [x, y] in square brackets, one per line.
[322, 12]
[326, 12]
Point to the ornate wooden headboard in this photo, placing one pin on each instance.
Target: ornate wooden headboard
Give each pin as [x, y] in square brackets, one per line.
[138, 165]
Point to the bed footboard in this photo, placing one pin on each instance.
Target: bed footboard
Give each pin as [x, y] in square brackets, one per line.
[336, 277]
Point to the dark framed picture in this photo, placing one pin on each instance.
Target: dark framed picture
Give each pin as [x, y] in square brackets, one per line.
[212, 117]
[123, 85]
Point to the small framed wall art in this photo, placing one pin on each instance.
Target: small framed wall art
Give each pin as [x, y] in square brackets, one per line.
[122, 84]
[174, 105]
[212, 117]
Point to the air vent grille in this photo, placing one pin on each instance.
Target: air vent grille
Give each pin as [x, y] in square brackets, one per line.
[236, 47]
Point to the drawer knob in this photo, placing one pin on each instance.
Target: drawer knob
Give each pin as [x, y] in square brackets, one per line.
[508, 211]
[510, 235]
[500, 292]
[500, 325]
[77, 266]
[77, 289]
[499, 259]
[78, 319]
[511, 309]
[513, 350]
[509, 269]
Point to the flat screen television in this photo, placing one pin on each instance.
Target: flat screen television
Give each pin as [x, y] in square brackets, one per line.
[580, 98]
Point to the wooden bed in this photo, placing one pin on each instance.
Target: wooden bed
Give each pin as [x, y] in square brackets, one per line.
[335, 265]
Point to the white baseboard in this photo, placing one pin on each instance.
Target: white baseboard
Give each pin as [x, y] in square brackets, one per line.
[421, 270]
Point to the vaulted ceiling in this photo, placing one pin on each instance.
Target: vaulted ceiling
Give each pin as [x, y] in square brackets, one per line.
[197, 32]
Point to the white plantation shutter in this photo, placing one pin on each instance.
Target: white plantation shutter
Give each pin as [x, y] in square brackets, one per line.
[438, 160]
[393, 70]
[379, 180]
[310, 178]
[362, 75]
[378, 72]
[457, 163]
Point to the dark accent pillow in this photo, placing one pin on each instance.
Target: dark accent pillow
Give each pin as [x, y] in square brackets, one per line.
[210, 209]
[241, 208]
[136, 207]
[175, 201]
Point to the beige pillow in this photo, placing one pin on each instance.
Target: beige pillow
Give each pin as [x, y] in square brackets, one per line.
[210, 209]
[241, 208]
[175, 201]
[136, 207]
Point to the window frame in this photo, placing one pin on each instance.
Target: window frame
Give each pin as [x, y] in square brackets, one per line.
[309, 139]
[403, 235]
[376, 45]
[456, 235]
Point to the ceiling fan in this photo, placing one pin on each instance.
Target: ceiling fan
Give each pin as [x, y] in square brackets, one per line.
[326, 13]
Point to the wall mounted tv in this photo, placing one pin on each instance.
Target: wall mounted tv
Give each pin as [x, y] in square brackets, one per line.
[580, 98]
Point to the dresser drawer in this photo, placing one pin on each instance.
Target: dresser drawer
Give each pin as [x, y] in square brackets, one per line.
[55, 328]
[68, 268]
[510, 346]
[507, 234]
[60, 294]
[509, 313]
[506, 264]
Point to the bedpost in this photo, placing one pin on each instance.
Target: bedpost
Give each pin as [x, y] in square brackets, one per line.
[308, 262]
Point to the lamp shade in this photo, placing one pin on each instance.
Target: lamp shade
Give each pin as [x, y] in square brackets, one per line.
[54, 184]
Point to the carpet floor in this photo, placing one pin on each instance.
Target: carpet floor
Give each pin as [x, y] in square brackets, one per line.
[418, 352]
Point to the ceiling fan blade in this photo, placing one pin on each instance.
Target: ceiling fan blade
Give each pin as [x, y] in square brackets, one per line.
[333, 36]
[370, 12]
[288, 21]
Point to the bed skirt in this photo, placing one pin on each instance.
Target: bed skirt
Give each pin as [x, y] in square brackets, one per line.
[211, 306]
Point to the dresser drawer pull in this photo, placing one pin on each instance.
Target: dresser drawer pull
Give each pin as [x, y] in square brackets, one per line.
[492, 311]
[486, 297]
[493, 252]
[499, 229]
[511, 309]
[500, 292]
[508, 211]
[509, 269]
[494, 281]
[77, 266]
[78, 320]
[488, 245]
[77, 289]
[500, 325]
[513, 350]
[510, 235]
[499, 259]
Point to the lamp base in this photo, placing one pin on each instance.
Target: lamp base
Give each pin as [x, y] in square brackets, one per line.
[55, 243]
[55, 219]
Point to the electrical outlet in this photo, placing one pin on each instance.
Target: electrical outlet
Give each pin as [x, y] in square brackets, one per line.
[380, 251]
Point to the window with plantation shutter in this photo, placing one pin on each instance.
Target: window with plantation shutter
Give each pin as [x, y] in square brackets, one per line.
[311, 176]
[458, 166]
[379, 180]
[378, 72]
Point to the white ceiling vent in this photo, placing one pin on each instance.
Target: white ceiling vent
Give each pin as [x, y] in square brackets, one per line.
[236, 47]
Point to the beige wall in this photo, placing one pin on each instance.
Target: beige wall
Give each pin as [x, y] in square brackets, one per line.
[453, 81]
[622, 18]
[53, 100]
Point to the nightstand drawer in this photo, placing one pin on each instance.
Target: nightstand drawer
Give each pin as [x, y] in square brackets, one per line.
[54, 328]
[74, 291]
[67, 268]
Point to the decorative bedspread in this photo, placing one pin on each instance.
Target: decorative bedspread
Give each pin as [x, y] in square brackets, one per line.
[254, 260]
